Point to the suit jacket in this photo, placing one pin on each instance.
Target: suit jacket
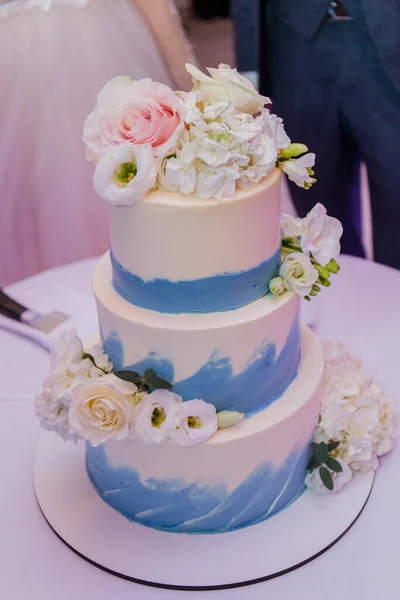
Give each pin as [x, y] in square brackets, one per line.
[381, 19]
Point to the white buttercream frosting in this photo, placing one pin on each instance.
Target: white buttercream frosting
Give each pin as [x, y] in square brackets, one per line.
[182, 237]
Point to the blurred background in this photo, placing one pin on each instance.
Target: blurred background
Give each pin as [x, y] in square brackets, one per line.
[329, 73]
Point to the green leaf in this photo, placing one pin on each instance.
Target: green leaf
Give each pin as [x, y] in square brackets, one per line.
[307, 298]
[334, 465]
[130, 376]
[321, 453]
[326, 478]
[312, 464]
[333, 445]
[148, 373]
[157, 383]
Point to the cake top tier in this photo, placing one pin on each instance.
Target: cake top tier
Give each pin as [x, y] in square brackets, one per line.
[206, 142]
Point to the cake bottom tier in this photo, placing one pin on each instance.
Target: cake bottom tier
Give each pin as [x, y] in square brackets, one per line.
[241, 476]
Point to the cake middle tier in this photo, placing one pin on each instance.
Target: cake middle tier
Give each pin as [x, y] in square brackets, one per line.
[178, 253]
[243, 359]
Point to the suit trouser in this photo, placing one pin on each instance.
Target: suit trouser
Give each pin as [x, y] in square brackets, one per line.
[335, 96]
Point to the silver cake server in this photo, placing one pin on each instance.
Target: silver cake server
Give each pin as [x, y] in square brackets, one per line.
[14, 310]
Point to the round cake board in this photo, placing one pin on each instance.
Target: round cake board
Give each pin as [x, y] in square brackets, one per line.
[102, 536]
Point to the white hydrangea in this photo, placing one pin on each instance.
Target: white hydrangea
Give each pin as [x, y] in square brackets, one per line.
[69, 369]
[221, 149]
[354, 412]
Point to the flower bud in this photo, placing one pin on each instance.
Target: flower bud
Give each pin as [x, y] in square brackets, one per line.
[293, 150]
[276, 286]
[226, 418]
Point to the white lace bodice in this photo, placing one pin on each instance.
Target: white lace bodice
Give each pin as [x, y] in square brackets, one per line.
[8, 7]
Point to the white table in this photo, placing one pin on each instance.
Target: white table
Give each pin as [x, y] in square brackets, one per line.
[361, 309]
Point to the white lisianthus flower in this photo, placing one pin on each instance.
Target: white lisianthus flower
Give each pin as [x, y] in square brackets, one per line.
[277, 286]
[322, 237]
[153, 416]
[125, 173]
[292, 226]
[193, 422]
[67, 347]
[298, 273]
[313, 479]
[226, 84]
[103, 409]
[298, 170]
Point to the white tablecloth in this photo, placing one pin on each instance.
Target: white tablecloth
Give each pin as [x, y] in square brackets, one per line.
[361, 309]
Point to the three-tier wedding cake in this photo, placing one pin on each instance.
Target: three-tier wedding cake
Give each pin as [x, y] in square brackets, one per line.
[201, 404]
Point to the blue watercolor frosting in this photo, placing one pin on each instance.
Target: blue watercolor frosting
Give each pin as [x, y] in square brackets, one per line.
[194, 507]
[218, 293]
[263, 380]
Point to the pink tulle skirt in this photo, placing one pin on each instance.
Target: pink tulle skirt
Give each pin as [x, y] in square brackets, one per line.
[52, 65]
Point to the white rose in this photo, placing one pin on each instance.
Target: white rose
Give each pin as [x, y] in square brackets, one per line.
[102, 409]
[298, 170]
[193, 422]
[153, 416]
[322, 238]
[276, 286]
[313, 479]
[298, 273]
[226, 84]
[125, 173]
[67, 347]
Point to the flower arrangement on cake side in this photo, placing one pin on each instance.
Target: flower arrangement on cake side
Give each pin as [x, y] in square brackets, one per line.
[310, 248]
[357, 424]
[208, 141]
[83, 397]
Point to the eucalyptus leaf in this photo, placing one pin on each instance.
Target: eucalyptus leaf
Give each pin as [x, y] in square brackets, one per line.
[334, 465]
[130, 376]
[326, 478]
[157, 383]
[148, 373]
[312, 463]
[333, 445]
[321, 453]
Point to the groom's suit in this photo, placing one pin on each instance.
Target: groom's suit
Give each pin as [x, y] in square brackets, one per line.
[336, 84]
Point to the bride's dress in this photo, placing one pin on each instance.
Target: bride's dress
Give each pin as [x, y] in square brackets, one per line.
[54, 57]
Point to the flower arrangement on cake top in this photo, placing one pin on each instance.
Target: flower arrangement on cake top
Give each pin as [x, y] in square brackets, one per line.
[208, 141]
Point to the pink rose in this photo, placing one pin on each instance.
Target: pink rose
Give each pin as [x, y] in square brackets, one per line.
[138, 112]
